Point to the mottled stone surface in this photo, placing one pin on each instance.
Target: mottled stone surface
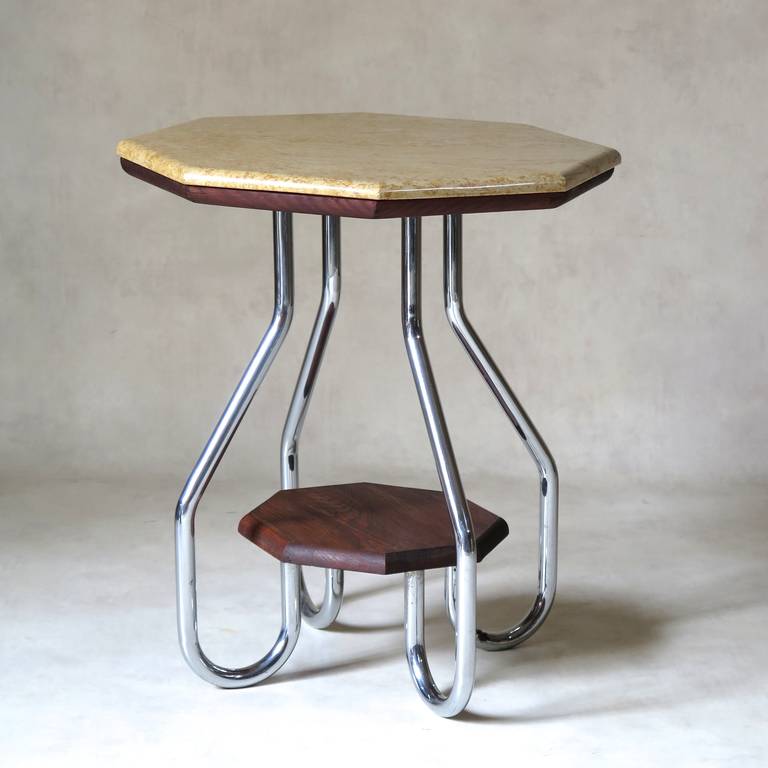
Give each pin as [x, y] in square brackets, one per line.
[371, 156]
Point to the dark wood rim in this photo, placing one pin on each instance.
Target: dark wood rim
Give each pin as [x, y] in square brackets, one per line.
[355, 207]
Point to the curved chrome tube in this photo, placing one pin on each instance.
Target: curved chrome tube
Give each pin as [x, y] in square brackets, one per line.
[548, 485]
[454, 702]
[325, 614]
[186, 592]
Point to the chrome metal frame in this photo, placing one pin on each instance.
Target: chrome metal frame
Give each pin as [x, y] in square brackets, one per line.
[548, 479]
[325, 614]
[452, 703]
[461, 580]
[186, 593]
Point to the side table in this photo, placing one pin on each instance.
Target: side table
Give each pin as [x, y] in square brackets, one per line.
[369, 166]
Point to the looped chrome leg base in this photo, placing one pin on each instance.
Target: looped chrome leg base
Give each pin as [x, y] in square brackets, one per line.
[548, 480]
[323, 615]
[364, 526]
[186, 591]
[454, 702]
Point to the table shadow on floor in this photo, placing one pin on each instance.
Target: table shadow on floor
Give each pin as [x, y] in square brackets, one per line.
[583, 630]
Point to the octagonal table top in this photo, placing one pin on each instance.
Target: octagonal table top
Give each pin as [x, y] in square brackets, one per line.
[365, 156]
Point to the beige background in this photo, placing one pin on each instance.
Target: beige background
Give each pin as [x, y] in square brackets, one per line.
[631, 323]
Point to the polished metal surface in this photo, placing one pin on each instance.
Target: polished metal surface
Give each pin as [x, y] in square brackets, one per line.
[548, 480]
[186, 591]
[325, 614]
[460, 584]
[452, 703]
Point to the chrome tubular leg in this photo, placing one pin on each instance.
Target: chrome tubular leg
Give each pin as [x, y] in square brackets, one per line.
[325, 614]
[449, 593]
[454, 702]
[186, 592]
[548, 481]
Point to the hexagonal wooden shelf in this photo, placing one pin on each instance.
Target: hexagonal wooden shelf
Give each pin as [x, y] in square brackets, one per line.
[365, 527]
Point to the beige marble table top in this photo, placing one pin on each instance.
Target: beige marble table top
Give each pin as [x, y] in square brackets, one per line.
[369, 156]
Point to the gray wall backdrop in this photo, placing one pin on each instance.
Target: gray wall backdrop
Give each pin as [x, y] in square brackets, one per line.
[632, 322]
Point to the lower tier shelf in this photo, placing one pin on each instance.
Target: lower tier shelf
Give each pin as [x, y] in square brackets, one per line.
[365, 527]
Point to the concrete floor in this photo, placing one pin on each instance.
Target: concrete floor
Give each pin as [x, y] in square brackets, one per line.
[655, 653]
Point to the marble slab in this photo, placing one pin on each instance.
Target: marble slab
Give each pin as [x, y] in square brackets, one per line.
[369, 156]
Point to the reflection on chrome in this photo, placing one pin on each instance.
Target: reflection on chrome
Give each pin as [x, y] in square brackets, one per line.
[325, 614]
[456, 699]
[186, 591]
[548, 481]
